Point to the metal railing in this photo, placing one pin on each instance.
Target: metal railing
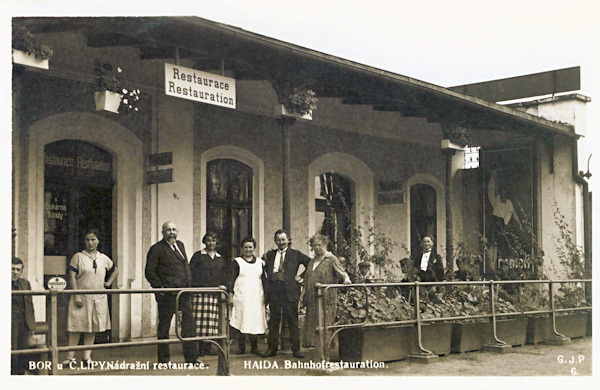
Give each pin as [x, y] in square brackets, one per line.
[53, 349]
[327, 332]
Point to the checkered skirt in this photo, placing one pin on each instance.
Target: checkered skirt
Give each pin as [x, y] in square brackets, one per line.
[206, 314]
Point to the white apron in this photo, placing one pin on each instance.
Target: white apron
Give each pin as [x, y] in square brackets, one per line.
[248, 314]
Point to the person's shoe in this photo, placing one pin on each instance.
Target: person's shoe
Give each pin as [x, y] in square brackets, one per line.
[298, 354]
[87, 363]
[255, 351]
[68, 362]
[269, 353]
[240, 351]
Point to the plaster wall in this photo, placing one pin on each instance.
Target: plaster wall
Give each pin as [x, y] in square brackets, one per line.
[555, 195]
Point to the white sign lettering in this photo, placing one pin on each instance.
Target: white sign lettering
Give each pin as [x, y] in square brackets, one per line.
[57, 283]
[200, 86]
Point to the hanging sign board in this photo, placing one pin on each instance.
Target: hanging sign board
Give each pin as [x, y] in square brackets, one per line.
[199, 86]
[159, 176]
[158, 159]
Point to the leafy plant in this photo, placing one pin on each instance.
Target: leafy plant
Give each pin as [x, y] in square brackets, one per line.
[457, 134]
[301, 100]
[110, 79]
[25, 41]
[571, 256]
[385, 305]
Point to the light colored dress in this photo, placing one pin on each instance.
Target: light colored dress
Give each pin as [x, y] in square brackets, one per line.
[93, 316]
[248, 314]
[328, 271]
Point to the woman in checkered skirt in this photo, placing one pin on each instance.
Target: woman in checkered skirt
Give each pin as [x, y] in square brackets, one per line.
[208, 269]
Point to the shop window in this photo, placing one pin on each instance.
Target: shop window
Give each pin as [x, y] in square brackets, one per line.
[333, 205]
[229, 204]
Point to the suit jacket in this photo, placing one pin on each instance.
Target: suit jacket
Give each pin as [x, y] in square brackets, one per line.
[165, 269]
[292, 261]
[28, 303]
[435, 268]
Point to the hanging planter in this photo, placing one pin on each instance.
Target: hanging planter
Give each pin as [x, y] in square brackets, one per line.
[293, 114]
[111, 91]
[299, 103]
[28, 51]
[108, 101]
[22, 58]
[448, 144]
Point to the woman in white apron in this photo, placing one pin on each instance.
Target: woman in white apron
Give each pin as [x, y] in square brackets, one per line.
[248, 314]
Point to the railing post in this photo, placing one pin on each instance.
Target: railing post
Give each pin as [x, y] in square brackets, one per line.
[418, 317]
[223, 358]
[53, 332]
[321, 339]
[493, 312]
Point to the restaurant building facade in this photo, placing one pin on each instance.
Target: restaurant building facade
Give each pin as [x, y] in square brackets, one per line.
[212, 145]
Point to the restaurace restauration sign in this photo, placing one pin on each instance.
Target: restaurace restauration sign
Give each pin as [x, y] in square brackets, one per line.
[200, 86]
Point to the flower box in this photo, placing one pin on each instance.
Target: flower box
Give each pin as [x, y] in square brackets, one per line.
[107, 101]
[447, 144]
[20, 57]
[472, 336]
[573, 325]
[392, 343]
[436, 338]
[291, 114]
[377, 344]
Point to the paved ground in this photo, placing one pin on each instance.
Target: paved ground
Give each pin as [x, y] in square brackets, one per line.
[530, 360]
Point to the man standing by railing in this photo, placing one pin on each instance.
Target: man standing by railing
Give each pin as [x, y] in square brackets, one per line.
[167, 267]
[23, 319]
[283, 292]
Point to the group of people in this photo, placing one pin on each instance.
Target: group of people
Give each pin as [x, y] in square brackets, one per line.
[88, 314]
[254, 284]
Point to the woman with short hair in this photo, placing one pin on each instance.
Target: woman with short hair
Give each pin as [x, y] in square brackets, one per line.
[209, 269]
[88, 313]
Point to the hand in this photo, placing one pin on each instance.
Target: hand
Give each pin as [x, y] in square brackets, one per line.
[78, 301]
[107, 285]
[347, 281]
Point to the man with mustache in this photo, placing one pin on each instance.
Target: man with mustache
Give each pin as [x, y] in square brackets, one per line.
[167, 267]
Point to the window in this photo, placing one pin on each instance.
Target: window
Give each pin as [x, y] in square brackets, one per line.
[229, 204]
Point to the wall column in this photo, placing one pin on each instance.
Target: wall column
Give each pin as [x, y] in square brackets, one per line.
[286, 126]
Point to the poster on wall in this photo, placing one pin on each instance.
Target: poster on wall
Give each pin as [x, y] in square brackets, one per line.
[508, 210]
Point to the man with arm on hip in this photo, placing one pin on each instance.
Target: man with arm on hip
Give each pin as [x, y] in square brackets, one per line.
[283, 292]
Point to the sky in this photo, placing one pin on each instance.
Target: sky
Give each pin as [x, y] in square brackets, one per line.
[441, 42]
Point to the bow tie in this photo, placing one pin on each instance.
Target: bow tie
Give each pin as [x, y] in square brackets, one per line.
[427, 251]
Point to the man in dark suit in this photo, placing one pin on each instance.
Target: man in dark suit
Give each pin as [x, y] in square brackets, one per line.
[428, 263]
[283, 292]
[167, 267]
[23, 318]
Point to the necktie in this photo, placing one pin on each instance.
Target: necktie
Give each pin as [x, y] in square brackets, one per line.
[281, 259]
[178, 253]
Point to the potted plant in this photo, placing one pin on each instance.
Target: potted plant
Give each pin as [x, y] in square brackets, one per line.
[27, 51]
[111, 93]
[300, 103]
[455, 137]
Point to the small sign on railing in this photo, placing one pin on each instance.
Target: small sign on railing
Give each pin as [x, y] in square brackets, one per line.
[57, 283]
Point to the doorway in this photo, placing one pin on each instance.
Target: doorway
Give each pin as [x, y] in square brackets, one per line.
[78, 194]
[423, 215]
